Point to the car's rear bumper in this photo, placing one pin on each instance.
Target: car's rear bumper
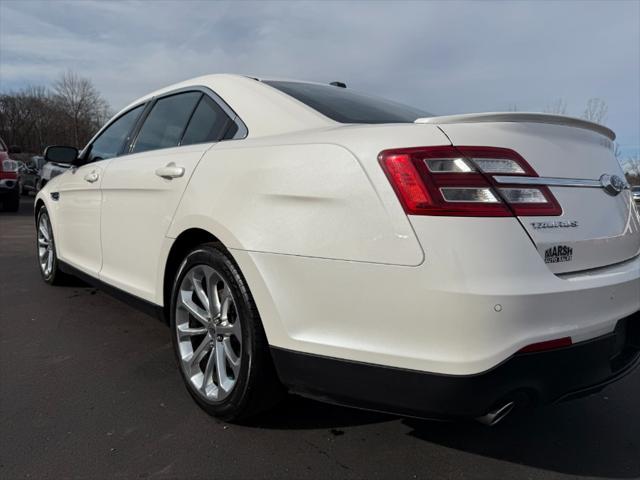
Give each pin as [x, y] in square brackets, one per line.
[455, 321]
[536, 378]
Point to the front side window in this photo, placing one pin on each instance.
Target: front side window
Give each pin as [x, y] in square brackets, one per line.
[208, 123]
[166, 122]
[109, 143]
[346, 106]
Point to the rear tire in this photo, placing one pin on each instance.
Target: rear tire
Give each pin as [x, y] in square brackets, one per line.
[219, 342]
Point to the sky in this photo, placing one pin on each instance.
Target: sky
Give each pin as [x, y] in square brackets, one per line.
[443, 57]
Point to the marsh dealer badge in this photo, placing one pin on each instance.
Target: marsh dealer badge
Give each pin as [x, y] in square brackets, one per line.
[557, 254]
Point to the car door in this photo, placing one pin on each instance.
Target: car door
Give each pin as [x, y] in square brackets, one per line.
[78, 198]
[142, 190]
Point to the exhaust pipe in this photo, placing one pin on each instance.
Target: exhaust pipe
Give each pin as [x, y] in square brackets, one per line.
[494, 416]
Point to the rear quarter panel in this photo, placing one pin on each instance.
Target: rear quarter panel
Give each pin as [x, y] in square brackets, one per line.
[311, 199]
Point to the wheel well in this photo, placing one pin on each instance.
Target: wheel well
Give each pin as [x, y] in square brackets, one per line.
[184, 242]
[36, 210]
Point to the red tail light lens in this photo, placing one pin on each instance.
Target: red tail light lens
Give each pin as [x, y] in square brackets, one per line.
[405, 179]
[8, 169]
[458, 181]
[548, 345]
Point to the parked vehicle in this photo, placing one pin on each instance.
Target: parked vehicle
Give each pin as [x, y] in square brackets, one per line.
[636, 193]
[50, 170]
[9, 189]
[356, 250]
[29, 177]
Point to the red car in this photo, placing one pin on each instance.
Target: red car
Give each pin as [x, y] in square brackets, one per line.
[9, 189]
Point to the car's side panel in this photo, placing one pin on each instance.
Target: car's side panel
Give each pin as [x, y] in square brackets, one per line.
[310, 199]
[137, 209]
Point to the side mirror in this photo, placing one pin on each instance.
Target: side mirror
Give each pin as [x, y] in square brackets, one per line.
[60, 154]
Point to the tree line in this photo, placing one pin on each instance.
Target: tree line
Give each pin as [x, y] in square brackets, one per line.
[67, 113]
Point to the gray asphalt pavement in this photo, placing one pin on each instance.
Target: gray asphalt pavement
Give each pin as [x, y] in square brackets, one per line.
[89, 389]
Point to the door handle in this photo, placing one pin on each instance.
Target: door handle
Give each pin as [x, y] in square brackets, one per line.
[170, 171]
[92, 177]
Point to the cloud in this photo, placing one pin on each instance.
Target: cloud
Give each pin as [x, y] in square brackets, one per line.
[445, 57]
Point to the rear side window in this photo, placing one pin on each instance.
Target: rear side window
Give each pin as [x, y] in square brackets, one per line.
[209, 123]
[166, 122]
[110, 142]
[346, 106]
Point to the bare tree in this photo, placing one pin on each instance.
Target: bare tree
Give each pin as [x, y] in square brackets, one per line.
[631, 166]
[559, 107]
[596, 111]
[35, 117]
[617, 152]
[81, 104]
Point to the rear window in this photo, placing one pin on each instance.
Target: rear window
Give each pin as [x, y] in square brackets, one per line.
[346, 106]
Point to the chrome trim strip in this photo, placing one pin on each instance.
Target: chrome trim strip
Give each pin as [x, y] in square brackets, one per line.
[549, 181]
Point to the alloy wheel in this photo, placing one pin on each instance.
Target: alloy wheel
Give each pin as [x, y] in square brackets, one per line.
[45, 245]
[209, 333]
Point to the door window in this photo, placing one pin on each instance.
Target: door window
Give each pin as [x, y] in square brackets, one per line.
[208, 123]
[166, 122]
[109, 143]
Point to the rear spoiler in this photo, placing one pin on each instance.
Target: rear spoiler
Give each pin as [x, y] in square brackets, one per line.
[521, 117]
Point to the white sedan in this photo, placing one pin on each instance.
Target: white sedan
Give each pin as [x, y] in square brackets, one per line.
[305, 237]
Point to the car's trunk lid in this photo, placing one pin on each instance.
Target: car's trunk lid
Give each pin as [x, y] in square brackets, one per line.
[596, 228]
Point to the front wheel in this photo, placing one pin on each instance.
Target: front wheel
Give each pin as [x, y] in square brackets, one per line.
[46, 250]
[218, 339]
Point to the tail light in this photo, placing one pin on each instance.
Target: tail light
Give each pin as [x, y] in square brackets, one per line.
[8, 170]
[458, 181]
[547, 345]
